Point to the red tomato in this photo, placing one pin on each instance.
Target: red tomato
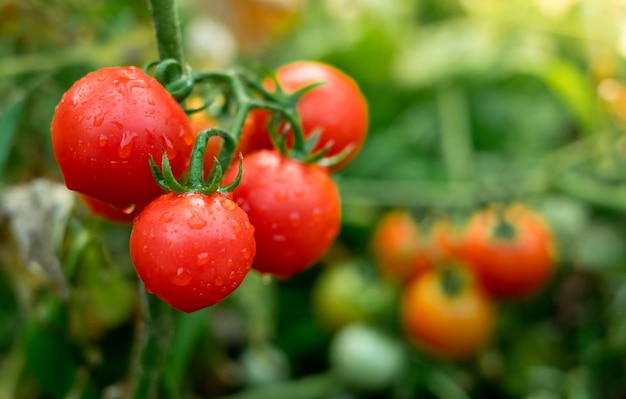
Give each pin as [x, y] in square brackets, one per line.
[106, 127]
[110, 212]
[337, 109]
[397, 246]
[192, 250]
[444, 242]
[294, 207]
[511, 250]
[443, 313]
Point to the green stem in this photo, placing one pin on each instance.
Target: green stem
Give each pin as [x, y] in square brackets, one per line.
[456, 143]
[167, 29]
[153, 339]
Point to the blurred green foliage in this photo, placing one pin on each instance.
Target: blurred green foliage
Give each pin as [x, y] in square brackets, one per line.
[471, 102]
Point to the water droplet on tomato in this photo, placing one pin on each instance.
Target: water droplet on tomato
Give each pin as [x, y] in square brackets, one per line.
[294, 219]
[168, 243]
[218, 281]
[245, 253]
[98, 120]
[228, 204]
[126, 144]
[144, 249]
[236, 226]
[196, 222]
[128, 210]
[317, 214]
[167, 217]
[279, 238]
[182, 277]
[202, 258]
[280, 196]
[102, 140]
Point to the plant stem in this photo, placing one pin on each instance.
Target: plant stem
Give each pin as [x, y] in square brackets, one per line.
[167, 29]
[456, 143]
[153, 339]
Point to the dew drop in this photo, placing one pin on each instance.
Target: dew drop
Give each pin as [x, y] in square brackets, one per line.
[196, 222]
[144, 249]
[102, 140]
[245, 253]
[202, 258]
[317, 214]
[279, 238]
[128, 210]
[167, 217]
[236, 226]
[266, 278]
[294, 219]
[182, 277]
[218, 281]
[280, 196]
[98, 120]
[126, 144]
[168, 243]
[228, 204]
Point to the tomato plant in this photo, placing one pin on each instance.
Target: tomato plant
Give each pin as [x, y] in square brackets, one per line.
[444, 313]
[512, 250]
[106, 127]
[399, 247]
[294, 208]
[336, 109]
[192, 249]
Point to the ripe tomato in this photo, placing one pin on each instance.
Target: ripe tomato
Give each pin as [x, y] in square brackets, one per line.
[192, 250]
[511, 250]
[110, 212]
[106, 127]
[443, 242]
[397, 246]
[294, 207]
[445, 314]
[337, 109]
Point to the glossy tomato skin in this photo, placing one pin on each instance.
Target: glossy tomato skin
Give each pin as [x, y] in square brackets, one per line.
[452, 325]
[515, 266]
[106, 127]
[398, 246]
[337, 108]
[192, 250]
[294, 207]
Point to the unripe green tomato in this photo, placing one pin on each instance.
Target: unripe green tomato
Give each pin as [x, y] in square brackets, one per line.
[343, 294]
[366, 359]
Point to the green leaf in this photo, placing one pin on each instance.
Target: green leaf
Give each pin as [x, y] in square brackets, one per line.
[9, 121]
[570, 84]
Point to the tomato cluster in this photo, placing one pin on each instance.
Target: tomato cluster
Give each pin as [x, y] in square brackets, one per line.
[452, 276]
[122, 141]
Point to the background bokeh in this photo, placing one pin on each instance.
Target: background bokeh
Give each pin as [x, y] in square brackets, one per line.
[471, 102]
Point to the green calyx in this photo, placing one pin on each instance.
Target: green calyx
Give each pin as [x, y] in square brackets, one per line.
[231, 95]
[195, 180]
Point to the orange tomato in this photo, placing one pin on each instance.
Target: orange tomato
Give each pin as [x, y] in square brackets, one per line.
[397, 246]
[512, 250]
[444, 313]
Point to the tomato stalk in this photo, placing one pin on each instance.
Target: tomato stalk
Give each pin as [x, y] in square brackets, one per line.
[167, 30]
[156, 326]
[154, 332]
